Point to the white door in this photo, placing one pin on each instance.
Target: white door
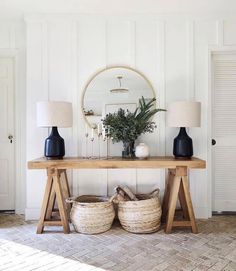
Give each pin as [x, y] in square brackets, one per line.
[224, 132]
[7, 193]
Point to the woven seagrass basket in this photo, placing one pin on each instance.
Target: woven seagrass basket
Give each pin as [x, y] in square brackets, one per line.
[91, 214]
[142, 216]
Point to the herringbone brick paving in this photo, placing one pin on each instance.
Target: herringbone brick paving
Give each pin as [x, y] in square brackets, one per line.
[214, 248]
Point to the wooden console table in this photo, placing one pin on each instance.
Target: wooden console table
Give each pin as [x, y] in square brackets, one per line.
[177, 186]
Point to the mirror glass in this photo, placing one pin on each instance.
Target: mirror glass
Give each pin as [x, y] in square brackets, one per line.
[114, 88]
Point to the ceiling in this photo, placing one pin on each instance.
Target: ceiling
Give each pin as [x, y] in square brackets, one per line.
[17, 8]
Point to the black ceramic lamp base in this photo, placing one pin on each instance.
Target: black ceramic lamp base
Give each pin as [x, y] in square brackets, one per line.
[54, 145]
[183, 145]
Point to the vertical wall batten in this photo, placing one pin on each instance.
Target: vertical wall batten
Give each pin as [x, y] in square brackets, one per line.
[75, 100]
[220, 32]
[190, 66]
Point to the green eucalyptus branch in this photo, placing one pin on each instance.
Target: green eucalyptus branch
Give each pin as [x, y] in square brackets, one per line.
[127, 126]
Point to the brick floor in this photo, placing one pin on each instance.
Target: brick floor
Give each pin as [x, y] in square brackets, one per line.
[214, 248]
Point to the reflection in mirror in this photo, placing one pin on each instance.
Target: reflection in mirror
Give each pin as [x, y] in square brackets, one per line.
[114, 88]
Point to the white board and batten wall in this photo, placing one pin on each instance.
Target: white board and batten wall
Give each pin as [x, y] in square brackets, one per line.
[63, 52]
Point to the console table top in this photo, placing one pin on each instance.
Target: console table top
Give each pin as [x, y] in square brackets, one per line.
[116, 162]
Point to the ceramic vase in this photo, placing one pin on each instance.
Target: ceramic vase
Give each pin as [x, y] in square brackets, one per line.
[142, 151]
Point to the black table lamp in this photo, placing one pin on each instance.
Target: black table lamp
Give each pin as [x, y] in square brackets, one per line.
[54, 114]
[184, 114]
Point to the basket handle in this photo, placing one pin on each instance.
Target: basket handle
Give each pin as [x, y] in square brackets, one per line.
[70, 200]
[126, 191]
[155, 192]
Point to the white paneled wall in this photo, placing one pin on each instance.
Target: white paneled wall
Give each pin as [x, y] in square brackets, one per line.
[8, 38]
[64, 52]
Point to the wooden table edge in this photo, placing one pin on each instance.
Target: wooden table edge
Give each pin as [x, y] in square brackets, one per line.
[116, 163]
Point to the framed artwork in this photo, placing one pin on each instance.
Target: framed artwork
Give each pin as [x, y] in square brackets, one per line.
[112, 108]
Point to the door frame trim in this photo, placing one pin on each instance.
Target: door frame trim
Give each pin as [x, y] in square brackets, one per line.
[19, 129]
[212, 50]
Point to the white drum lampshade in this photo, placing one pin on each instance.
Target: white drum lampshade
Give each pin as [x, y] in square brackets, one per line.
[183, 114]
[54, 114]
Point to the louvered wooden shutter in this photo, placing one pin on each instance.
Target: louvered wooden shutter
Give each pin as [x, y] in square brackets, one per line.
[224, 131]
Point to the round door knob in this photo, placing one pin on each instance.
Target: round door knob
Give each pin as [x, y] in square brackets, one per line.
[213, 142]
[10, 137]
